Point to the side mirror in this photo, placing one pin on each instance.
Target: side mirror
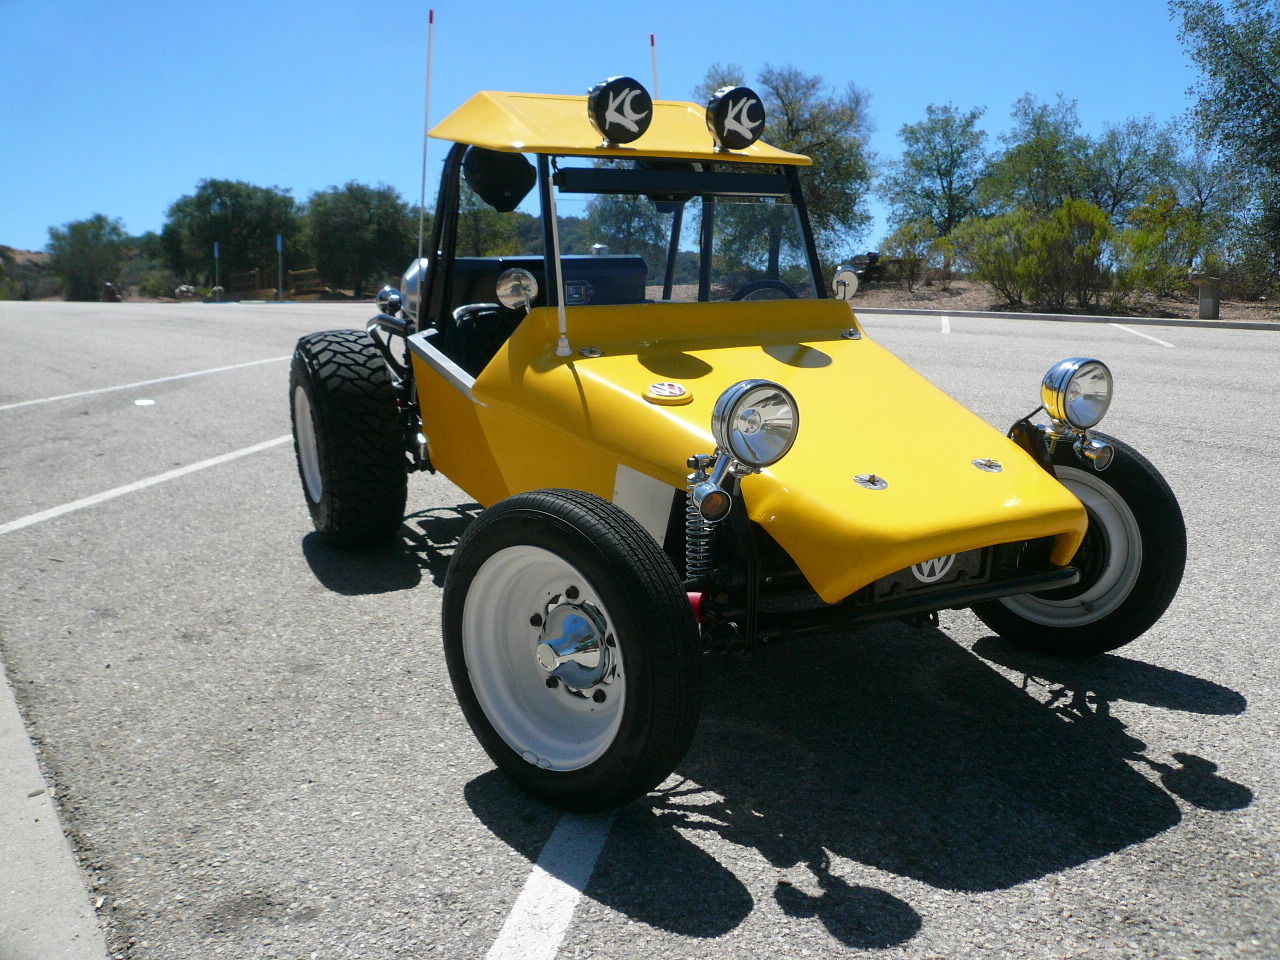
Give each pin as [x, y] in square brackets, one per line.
[845, 283]
[517, 288]
[390, 300]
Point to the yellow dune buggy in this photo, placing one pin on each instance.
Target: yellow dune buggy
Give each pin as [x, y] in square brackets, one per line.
[684, 440]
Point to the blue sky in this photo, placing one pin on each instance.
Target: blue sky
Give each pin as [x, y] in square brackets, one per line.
[121, 108]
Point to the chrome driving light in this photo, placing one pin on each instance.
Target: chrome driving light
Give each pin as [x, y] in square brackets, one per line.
[1077, 391]
[755, 422]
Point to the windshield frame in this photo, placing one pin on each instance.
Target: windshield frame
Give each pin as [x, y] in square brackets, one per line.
[681, 181]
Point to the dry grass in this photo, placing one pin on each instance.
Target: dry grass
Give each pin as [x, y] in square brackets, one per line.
[966, 295]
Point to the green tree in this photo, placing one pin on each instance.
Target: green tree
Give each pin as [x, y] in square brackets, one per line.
[87, 254]
[482, 230]
[1211, 190]
[937, 178]
[1236, 45]
[629, 225]
[832, 127]
[1124, 164]
[1043, 160]
[356, 234]
[244, 219]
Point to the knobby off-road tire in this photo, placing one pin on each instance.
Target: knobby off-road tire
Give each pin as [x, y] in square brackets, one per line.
[1131, 561]
[568, 557]
[347, 437]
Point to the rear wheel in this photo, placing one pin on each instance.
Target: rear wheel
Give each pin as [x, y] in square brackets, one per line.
[1130, 562]
[572, 648]
[347, 436]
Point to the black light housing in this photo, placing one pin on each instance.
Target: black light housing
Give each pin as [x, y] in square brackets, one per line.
[735, 117]
[620, 109]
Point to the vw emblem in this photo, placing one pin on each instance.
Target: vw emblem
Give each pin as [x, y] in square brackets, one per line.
[668, 394]
[931, 571]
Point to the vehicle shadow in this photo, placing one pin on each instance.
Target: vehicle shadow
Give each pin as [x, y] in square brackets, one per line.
[425, 543]
[899, 750]
[1082, 691]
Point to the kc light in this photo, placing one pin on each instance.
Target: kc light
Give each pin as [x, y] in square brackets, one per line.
[756, 422]
[1077, 391]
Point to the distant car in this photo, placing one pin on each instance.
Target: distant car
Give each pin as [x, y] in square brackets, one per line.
[667, 469]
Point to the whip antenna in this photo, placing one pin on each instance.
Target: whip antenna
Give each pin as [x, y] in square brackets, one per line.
[653, 57]
[426, 139]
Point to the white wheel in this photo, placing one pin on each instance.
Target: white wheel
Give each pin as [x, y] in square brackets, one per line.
[522, 601]
[1117, 558]
[308, 457]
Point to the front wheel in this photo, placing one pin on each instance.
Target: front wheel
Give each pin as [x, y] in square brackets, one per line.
[1130, 561]
[572, 648]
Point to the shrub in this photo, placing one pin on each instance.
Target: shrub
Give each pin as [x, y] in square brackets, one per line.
[996, 251]
[156, 284]
[1066, 256]
[1047, 262]
[911, 246]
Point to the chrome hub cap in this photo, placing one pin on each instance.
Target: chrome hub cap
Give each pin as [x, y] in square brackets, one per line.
[572, 646]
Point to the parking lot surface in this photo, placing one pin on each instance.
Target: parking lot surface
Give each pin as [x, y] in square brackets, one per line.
[255, 750]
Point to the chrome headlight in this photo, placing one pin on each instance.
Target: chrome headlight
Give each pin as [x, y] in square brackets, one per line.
[1077, 391]
[756, 422]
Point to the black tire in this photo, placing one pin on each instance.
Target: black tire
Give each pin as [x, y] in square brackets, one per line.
[550, 554]
[347, 437]
[1131, 561]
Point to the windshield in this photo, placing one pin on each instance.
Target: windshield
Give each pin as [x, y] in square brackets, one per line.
[693, 234]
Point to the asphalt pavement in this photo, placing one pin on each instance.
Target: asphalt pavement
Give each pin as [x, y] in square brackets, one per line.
[252, 750]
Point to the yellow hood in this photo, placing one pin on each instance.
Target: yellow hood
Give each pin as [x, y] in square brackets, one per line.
[573, 421]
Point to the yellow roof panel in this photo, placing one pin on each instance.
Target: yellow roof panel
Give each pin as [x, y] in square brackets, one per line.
[553, 123]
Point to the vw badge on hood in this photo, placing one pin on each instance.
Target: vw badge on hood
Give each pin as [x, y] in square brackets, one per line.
[735, 117]
[620, 109]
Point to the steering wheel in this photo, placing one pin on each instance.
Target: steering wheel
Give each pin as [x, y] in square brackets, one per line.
[759, 286]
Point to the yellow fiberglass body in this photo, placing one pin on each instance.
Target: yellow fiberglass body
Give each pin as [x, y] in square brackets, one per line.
[533, 420]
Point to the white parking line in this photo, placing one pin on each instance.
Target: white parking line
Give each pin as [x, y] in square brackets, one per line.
[538, 921]
[140, 383]
[946, 323]
[74, 505]
[1139, 333]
